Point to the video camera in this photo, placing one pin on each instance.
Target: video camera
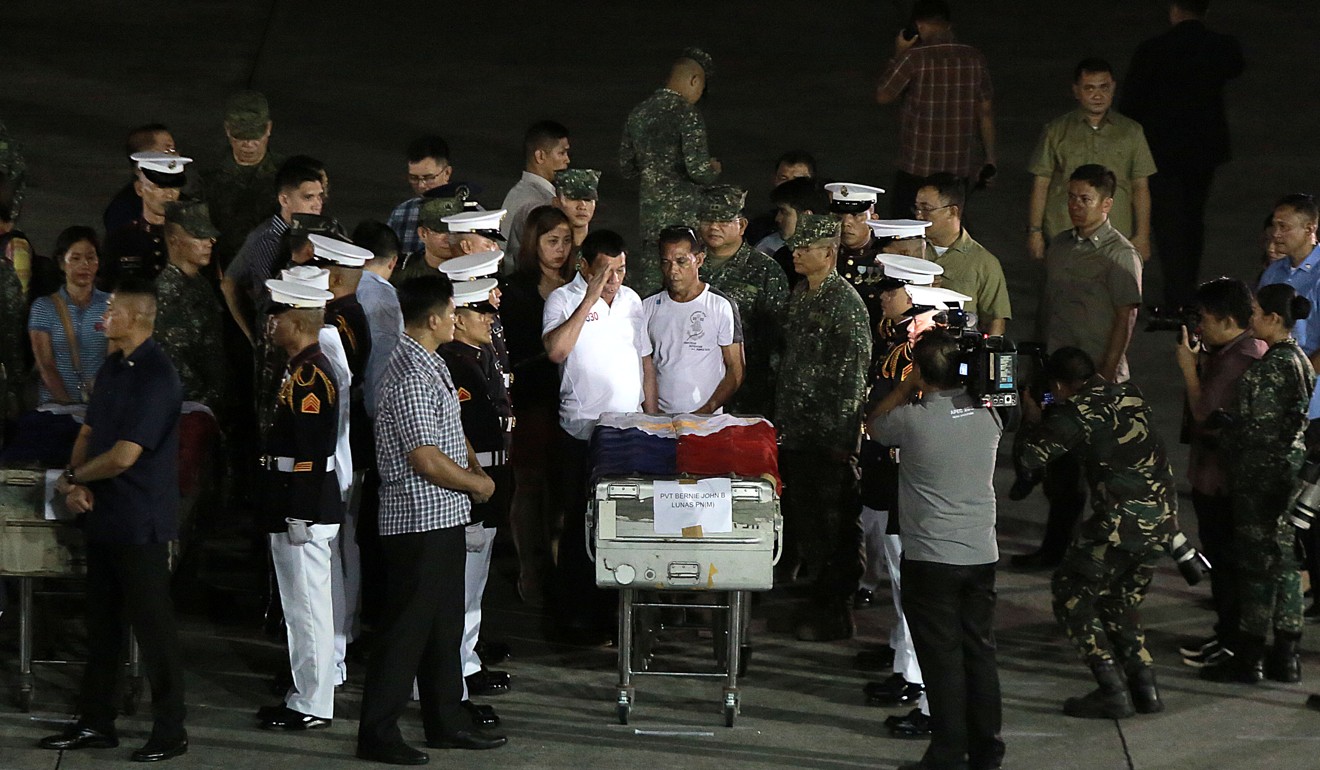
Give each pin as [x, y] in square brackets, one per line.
[1172, 319]
[988, 365]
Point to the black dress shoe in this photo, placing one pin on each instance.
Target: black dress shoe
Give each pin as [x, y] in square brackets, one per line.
[398, 754]
[487, 682]
[159, 749]
[914, 725]
[482, 716]
[878, 659]
[894, 691]
[284, 718]
[77, 737]
[472, 740]
[1035, 560]
[492, 653]
[864, 598]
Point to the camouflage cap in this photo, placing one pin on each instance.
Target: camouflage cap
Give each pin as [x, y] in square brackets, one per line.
[812, 228]
[246, 115]
[577, 184]
[193, 216]
[721, 203]
[433, 211]
[306, 224]
[700, 57]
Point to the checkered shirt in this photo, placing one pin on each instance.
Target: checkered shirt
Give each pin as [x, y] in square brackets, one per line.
[403, 221]
[943, 85]
[417, 406]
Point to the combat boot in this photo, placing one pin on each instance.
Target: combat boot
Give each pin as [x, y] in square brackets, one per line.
[1141, 685]
[1284, 663]
[1109, 701]
[1245, 665]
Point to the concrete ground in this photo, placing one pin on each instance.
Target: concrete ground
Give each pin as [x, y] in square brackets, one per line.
[351, 85]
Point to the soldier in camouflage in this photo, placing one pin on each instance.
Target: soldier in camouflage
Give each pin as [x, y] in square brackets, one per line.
[664, 146]
[576, 193]
[1105, 573]
[13, 167]
[1265, 449]
[438, 244]
[13, 326]
[188, 314]
[756, 285]
[240, 185]
[818, 405]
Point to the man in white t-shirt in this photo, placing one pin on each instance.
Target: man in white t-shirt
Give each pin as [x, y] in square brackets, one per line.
[593, 328]
[695, 335]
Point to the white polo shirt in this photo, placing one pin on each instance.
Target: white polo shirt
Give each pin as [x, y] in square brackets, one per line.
[603, 373]
[686, 341]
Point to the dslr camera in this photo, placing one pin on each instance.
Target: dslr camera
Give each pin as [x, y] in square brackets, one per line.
[1172, 319]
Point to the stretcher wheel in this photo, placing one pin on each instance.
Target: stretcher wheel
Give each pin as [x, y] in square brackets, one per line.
[24, 700]
[133, 697]
[624, 706]
[730, 708]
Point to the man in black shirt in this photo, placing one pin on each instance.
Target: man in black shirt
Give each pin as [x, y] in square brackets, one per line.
[124, 479]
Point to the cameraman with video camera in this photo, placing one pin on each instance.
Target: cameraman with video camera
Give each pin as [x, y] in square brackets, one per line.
[946, 509]
[1211, 368]
[1105, 572]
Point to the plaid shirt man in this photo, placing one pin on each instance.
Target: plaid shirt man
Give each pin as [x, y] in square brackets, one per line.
[417, 406]
[403, 221]
[944, 84]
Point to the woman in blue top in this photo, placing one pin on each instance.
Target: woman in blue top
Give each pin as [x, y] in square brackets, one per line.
[65, 327]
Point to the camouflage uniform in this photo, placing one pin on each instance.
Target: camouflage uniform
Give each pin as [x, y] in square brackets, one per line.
[818, 405]
[13, 327]
[1106, 571]
[241, 198]
[1265, 450]
[431, 215]
[663, 145]
[757, 286]
[188, 327]
[13, 167]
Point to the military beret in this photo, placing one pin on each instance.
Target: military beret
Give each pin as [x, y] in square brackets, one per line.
[246, 115]
[193, 216]
[577, 184]
[721, 203]
[433, 211]
[812, 228]
[700, 57]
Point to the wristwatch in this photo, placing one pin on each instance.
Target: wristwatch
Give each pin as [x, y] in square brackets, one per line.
[68, 476]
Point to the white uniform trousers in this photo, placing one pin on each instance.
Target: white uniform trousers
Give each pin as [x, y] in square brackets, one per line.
[905, 655]
[481, 541]
[873, 537]
[304, 576]
[346, 576]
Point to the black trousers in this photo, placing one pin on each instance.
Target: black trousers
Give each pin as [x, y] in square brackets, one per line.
[951, 612]
[1177, 219]
[822, 519]
[1065, 488]
[420, 638]
[1214, 523]
[131, 583]
[578, 601]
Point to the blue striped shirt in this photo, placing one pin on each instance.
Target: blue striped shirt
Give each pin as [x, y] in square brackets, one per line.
[88, 331]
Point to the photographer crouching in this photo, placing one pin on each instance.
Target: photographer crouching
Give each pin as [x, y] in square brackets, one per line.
[1105, 572]
[946, 508]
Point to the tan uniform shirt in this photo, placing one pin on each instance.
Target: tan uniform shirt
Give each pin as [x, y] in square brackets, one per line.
[969, 268]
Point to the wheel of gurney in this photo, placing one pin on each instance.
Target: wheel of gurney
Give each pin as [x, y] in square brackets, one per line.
[624, 706]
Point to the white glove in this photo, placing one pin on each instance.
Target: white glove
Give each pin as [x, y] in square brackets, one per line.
[475, 535]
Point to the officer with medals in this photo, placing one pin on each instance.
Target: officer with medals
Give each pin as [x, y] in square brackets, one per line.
[472, 276]
[485, 224]
[487, 416]
[303, 504]
[853, 205]
[138, 248]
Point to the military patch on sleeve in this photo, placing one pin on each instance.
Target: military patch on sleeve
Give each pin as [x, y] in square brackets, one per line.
[464, 395]
[310, 404]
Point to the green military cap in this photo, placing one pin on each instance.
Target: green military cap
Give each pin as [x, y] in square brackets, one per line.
[246, 115]
[812, 228]
[193, 216]
[433, 211]
[721, 203]
[700, 57]
[577, 184]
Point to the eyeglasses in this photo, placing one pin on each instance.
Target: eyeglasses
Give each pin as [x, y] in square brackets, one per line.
[423, 179]
[925, 211]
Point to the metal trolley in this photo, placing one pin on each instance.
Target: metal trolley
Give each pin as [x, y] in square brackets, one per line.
[630, 556]
[33, 548]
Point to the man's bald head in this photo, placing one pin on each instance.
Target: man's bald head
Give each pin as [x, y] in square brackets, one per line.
[687, 78]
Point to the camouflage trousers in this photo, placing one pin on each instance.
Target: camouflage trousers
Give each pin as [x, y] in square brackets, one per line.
[1097, 591]
[270, 361]
[822, 520]
[1269, 580]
